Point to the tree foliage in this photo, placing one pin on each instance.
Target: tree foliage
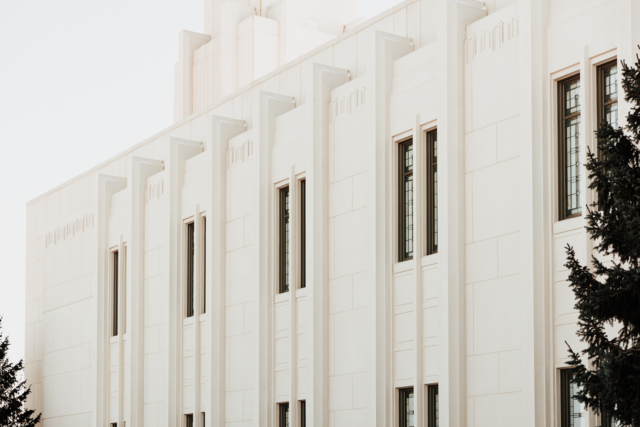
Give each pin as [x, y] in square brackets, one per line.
[608, 294]
[13, 393]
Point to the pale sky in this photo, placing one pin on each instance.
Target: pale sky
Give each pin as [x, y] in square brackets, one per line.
[80, 81]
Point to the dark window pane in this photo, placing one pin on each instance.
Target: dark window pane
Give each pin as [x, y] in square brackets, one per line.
[190, 268]
[114, 313]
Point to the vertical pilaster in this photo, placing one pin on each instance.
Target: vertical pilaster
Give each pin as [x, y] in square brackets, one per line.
[197, 310]
[533, 85]
[325, 78]
[271, 106]
[294, 283]
[222, 130]
[419, 234]
[386, 49]
[121, 328]
[140, 170]
[451, 253]
[107, 186]
[180, 150]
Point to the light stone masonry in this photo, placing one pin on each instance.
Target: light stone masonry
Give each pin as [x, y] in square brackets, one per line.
[276, 92]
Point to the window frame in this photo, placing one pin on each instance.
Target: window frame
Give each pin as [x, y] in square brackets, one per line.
[402, 214]
[189, 276]
[562, 157]
[283, 221]
[602, 104]
[433, 406]
[303, 413]
[431, 192]
[188, 420]
[403, 395]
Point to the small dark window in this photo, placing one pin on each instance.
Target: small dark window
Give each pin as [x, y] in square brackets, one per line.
[114, 424]
[433, 409]
[190, 265]
[123, 289]
[406, 408]
[608, 420]
[188, 420]
[204, 423]
[405, 217]
[303, 413]
[569, 148]
[303, 234]
[114, 294]
[432, 192]
[204, 269]
[608, 94]
[284, 240]
[571, 410]
[283, 415]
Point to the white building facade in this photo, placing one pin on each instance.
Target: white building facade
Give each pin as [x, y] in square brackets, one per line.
[369, 234]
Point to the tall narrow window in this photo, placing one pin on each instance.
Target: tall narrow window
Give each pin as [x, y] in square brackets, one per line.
[283, 415]
[571, 410]
[608, 94]
[433, 403]
[432, 192]
[608, 420]
[284, 240]
[188, 420]
[204, 423]
[569, 150]
[303, 413]
[190, 264]
[303, 234]
[405, 217]
[123, 286]
[114, 296]
[406, 408]
[204, 268]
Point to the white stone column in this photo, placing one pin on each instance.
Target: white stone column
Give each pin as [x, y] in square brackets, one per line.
[180, 150]
[140, 170]
[270, 106]
[325, 78]
[223, 129]
[386, 48]
[107, 185]
[419, 234]
[294, 282]
[535, 218]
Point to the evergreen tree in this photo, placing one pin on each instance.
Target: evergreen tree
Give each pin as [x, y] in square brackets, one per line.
[609, 295]
[13, 393]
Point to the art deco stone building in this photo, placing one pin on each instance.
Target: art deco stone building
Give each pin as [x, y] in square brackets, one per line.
[349, 224]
